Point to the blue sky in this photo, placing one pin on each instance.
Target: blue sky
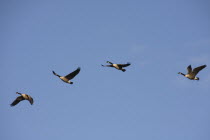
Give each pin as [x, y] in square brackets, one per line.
[149, 101]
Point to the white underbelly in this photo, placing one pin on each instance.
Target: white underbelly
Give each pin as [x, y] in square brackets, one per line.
[116, 66]
[25, 96]
[190, 76]
[64, 79]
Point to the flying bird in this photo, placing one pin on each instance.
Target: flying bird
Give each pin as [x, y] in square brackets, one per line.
[117, 66]
[21, 98]
[191, 74]
[68, 77]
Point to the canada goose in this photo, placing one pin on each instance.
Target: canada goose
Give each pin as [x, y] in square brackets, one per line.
[117, 66]
[191, 74]
[68, 77]
[21, 98]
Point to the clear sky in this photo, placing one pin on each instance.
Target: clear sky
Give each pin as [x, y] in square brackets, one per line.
[149, 101]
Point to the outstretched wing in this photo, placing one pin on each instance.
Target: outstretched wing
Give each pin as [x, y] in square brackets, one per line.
[56, 74]
[17, 100]
[124, 65]
[196, 70]
[73, 74]
[30, 99]
[189, 69]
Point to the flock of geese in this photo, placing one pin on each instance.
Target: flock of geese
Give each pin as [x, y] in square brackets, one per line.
[191, 74]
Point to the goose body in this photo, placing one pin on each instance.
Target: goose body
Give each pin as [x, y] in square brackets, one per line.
[68, 77]
[117, 66]
[191, 74]
[21, 98]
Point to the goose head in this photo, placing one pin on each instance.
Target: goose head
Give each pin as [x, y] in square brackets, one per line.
[18, 93]
[180, 73]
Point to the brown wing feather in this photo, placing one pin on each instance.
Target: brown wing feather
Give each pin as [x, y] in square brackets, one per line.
[17, 100]
[196, 70]
[73, 74]
[30, 100]
[56, 74]
[124, 65]
[189, 69]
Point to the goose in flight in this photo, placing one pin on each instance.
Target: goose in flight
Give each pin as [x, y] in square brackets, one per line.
[68, 77]
[191, 74]
[117, 66]
[21, 98]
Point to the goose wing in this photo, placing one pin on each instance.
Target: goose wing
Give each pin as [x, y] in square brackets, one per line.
[30, 99]
[124, 65]
[56, 74]
[196, 70]
[189, 69]
[73, 74]
[17, 100]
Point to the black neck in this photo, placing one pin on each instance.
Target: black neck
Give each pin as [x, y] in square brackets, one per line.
[182, 73]
[18, 93]
[109, 62]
